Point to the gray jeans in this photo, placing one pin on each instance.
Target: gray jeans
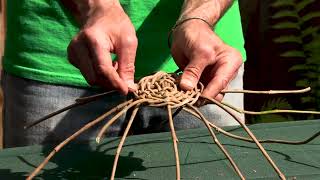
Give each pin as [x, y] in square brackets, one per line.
[27, 100]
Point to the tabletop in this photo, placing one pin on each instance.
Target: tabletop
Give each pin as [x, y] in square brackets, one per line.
[151, 156]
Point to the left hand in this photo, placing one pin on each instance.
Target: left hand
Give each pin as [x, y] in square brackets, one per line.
[203, 56]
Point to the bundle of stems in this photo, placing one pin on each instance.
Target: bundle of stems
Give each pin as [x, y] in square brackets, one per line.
[161, 90]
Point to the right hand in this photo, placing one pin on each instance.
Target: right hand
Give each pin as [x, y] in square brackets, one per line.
[106, 29]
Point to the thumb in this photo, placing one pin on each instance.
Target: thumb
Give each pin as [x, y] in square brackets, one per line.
[192, 73]
[126, 60]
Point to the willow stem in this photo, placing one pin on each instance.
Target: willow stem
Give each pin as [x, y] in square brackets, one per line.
[175, 142]
[111, 121]
[94, 97]
[274, 111]
[275, 167]
[123, 138]
[79, 102]
[275, 141]
[216, 140]
[268, 92]
[73, 136]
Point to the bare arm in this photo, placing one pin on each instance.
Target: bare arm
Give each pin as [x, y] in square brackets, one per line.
[200, 52]
[210, 10]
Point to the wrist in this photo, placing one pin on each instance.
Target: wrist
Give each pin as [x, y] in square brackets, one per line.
[188, 24]
[83, 9]
[210, 10]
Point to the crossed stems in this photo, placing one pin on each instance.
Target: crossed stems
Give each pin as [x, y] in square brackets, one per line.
[123, 107]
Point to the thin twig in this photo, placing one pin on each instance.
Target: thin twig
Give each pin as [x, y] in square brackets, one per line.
[76, 134]
[123, 138]
[79, 102]
[268, 92]
[264, 152]
[216, 140]
[175, 142]
[274, 111]
[114, 118]
[53, 114]
[94, 97]
[270, 141]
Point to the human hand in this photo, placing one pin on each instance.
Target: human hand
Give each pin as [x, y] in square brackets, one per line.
[106, 29]
[203, 56]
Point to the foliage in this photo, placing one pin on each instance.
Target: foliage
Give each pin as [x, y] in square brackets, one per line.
[294, 26]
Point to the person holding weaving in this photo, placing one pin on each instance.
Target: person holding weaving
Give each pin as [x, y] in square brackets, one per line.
[109, 44]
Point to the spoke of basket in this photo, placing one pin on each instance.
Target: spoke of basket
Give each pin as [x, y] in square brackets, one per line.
[274, 111]
[94, 97]
[79, 102]
[175, 142]
[123, 138]
[216, 140]
[73, 136]
[268, 92]
[111, 121]
[53, 114]
[276, 141]
[264, 152]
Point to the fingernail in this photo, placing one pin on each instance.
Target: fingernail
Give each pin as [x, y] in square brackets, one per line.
[132, 86]
[186, 84]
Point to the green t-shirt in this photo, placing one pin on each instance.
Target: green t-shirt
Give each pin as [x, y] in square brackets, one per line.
[38, 33]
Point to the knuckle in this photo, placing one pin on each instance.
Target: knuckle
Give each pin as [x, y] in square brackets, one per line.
[130, 41]
[86, 32]
[224, 81]
[235, 54]
[90, 36]
[193, 71]
[127, 68]
[206, 51]
[101, 69]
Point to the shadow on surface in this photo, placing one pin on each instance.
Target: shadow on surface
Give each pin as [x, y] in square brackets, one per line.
[84, 163]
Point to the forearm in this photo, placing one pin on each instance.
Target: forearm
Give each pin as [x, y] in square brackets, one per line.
[210, 10]
[81, 9]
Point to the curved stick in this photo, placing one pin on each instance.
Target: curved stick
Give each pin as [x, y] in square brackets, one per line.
[274, 111]
[76, 134]
[216, 140]
[94, 97]
[270, 141]
[175, 142]
[111, 121]
[123, 138]
[275, 141]
[53, 114]
[268, 92]
[264, 152]
[79, 102]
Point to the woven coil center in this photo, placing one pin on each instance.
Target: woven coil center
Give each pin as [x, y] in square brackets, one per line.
[162, 89]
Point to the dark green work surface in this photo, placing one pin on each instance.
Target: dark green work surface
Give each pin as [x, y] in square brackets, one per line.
[151, 156]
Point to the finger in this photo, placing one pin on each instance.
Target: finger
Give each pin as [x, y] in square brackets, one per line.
[180, 59]
[192, 73]
[219, 97]
[115, 65]
[78, 55]
[222, 75]
[102, 64]
[126, 52]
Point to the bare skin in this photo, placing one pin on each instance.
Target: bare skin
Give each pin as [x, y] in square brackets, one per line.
[196, 48]
[200, 52]
[105, 29]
